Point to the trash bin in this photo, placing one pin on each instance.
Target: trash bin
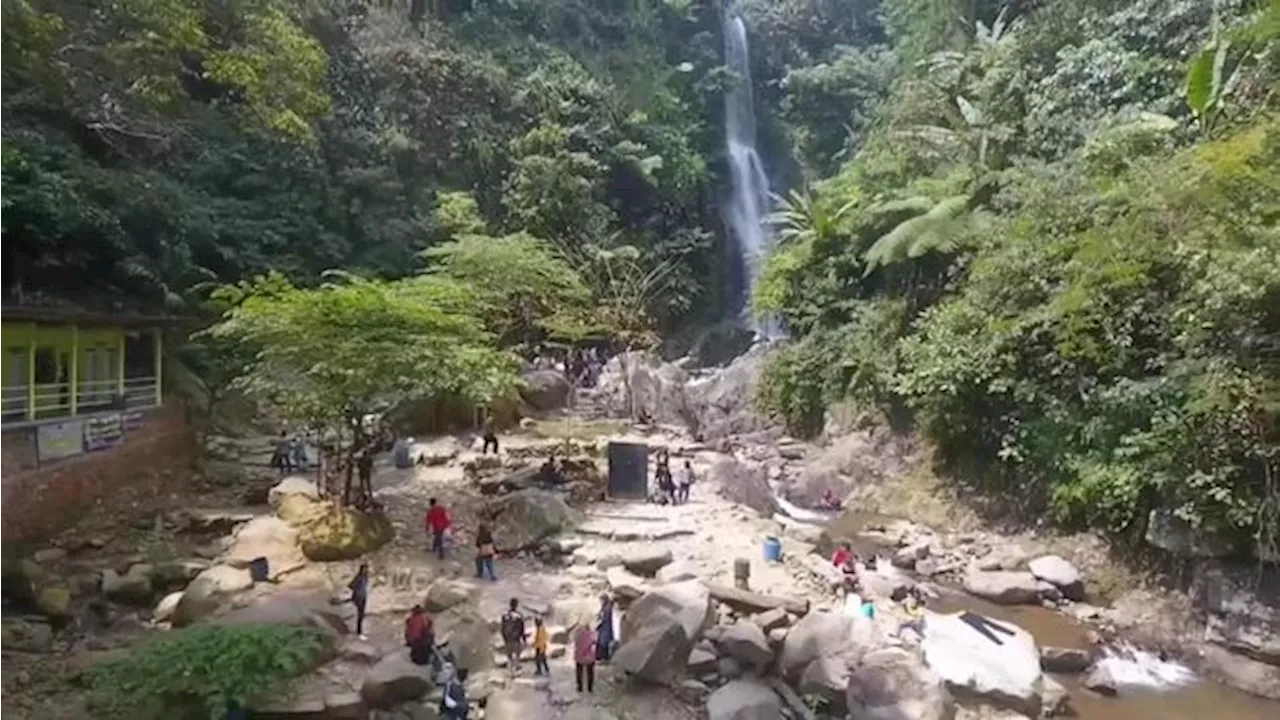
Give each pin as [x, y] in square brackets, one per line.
[772, 549]
[259, 570]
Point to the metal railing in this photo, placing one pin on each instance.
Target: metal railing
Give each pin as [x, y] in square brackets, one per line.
[53, 400]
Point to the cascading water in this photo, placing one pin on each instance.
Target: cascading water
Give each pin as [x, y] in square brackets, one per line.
[748, 206]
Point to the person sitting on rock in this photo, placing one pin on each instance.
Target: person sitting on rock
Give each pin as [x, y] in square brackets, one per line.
[550, 475]
[453, 703]
[420, 636]
[490, 436]
[828, 500]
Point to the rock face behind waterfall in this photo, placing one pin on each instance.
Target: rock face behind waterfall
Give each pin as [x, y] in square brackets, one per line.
[715, 404]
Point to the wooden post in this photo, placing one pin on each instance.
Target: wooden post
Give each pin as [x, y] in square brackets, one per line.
[31, 374]
[120, 367]
[73, 374]
[158, 351]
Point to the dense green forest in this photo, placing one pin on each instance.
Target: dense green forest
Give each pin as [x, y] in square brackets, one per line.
[1053, 250]
[1040, 232]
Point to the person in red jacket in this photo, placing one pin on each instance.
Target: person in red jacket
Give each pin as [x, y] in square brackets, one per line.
[437, 523]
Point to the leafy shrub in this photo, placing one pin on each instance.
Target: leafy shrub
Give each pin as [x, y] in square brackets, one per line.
[200, 672]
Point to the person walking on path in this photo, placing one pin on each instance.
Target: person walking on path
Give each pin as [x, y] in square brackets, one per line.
[359, 587]
[281, 459]
[686, 482]
[437, 522]
[584, 657]
[604, 629]
[485, 552]
[513, 635]
[541, 641]
[490, 437]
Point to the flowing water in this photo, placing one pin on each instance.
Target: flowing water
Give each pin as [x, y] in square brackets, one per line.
[748, 208]
[1152, 687]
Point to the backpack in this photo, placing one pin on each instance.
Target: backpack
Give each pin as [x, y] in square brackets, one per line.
[512, 627]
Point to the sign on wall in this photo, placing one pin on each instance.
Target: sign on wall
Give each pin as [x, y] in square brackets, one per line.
[55, 441]
[103, 432]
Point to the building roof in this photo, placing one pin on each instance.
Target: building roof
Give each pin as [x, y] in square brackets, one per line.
[67, 315]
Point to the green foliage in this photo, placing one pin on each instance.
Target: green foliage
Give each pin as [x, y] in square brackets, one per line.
[328, 356]
[201, 672]
[521, 282]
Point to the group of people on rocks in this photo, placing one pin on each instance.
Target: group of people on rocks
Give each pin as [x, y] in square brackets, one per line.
[913, 601]
[591, 644]
[581, 365]
[672, 491]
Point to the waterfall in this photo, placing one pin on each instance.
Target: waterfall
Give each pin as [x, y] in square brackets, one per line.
[748, 206]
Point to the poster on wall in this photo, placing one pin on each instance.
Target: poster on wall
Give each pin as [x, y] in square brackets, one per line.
[55, 441]
[103, 432]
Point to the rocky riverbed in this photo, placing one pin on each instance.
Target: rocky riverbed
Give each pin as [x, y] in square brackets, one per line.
[694, 644]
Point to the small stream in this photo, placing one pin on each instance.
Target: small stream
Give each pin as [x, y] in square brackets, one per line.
[1151, 687]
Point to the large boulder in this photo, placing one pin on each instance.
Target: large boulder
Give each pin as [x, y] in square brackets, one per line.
[1175, 535]
[815, 636]
[1241, 671]
[292, 497]
[656, 389]
[660, 628]
[744, 483]
[24, 636]
[998, 664]
[524, 519]
[343, 533]
[646, 561]
[1243, 608]
[546, 389]
[746, 641]
[855, 463]
[722, 403]
[266, 537]
[466, 634]
[893, 684]
[395, 679]
[446, 593]
[208, 591]
[1056, 571]
[133, 587]
[744, 699]
[301, 609]
[1005, 587]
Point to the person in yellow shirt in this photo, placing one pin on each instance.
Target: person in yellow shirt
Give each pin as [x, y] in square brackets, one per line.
[540, 641]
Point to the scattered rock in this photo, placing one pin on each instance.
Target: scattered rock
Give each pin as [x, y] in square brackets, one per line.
[545, 390]
[1171, 533]
[744, 699]
[49, 556]
[1101, 680]
[1005, 587]
[524, 519]
[212, 520]
[700, 661]
[893, 684]
[677, 572]
[646, 561]
[770, 619]
[624, 584]
[395, 679]
[827, 678]
[907, 557]
[332, 533]
[266, 537]
[165, 608]
[176, 573]
[1064, 660]
[353, 649]
[1055, 701]
[692, 691]
[744, 483]
[133, 587]
[660, 628]
[1059, 573]
[814, 636]
[54, 602]
[1241, 672]
[747, 642]
[302, 609]
[24, 636]
[1006, 675]
[291, 498]
[728, 668]
[206, 593]
[446, 593]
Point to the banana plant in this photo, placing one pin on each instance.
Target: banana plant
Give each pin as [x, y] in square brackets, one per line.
[1215, 71]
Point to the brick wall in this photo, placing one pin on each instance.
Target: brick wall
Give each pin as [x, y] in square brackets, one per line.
[38, 502]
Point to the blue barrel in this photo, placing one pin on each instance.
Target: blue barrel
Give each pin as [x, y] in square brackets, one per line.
[772, 549]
